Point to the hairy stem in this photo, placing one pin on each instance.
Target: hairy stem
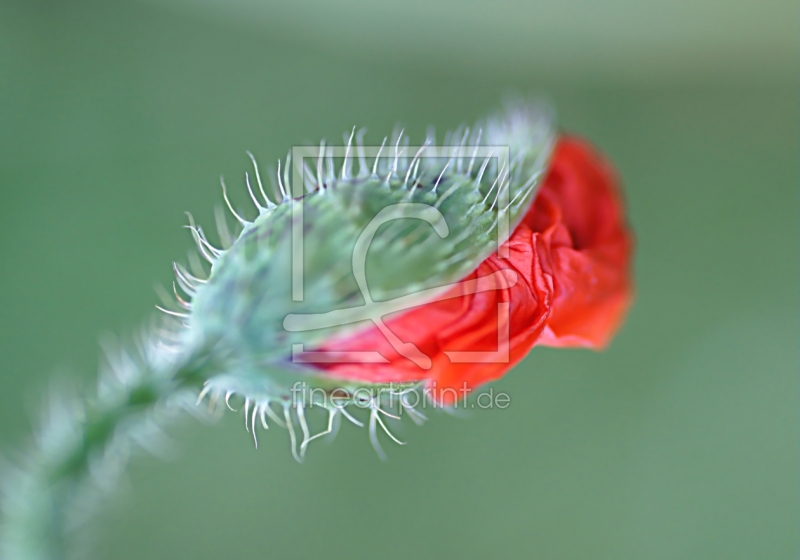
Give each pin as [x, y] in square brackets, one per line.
[84, 445]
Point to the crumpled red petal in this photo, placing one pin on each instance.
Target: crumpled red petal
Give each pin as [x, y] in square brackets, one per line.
[580, 214]
[572, 255]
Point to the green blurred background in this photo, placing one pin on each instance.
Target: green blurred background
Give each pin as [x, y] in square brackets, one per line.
[680, 441]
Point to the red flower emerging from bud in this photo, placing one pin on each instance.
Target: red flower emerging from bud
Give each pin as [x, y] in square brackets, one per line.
[570, 285]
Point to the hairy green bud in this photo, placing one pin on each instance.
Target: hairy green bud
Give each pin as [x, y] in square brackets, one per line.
[409, 221]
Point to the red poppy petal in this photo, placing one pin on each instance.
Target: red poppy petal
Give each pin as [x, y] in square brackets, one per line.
[580, 210]
[572, 256]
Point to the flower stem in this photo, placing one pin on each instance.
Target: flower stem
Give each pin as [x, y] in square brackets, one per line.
[84, 445]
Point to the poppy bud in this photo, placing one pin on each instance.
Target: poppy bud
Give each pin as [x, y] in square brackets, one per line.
[433, 266]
